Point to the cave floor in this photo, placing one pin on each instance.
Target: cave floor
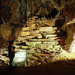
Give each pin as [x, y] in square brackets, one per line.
[58, 68]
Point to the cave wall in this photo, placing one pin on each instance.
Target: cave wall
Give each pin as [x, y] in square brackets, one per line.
[14, 13]
[69, 25]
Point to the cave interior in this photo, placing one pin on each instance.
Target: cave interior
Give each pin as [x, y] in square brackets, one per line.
[43, 31]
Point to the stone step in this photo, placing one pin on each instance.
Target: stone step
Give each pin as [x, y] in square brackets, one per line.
[25, 49]
[50, 35]
[25, 28]
[51, 43]
[51, 29]
[29, 33]
[36, 33]
[24, 33]
[20, 38]
[35, 43]
[47, 32]
[27, 37]
[37, 40]
[38, 36]
[46, 46]
[32, 43]
[21, 49]
[20, 46]
[42, 29]
[42, 40]
[57, 46]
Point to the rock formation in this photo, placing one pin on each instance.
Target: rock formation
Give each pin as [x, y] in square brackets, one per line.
[14, 13]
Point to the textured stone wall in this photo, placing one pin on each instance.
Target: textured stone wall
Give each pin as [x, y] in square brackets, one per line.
[14, 13]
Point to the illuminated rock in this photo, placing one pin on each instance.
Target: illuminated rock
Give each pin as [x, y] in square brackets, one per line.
[49, 36]
[20, 58]
[39, 36]
[41, 41]
[46, 29]
[25, 28]
[51, 43]
[24, 33]
[72, 46]
[32, 44]
[24, 47]
[29, 37]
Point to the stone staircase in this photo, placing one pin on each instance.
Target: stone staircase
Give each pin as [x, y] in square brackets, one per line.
[40, 43]
[30, 38]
